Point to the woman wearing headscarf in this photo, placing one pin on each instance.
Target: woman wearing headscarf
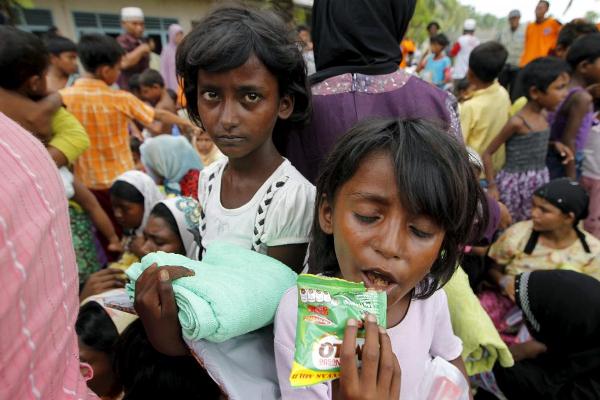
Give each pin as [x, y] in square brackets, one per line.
[167, 57]
[357, 53]
[172, 161]
[551, 240]
[562, 311]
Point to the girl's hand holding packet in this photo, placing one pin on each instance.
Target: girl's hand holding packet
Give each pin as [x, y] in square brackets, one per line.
[324, 307]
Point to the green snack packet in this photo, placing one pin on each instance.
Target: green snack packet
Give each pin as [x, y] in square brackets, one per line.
[324, 307]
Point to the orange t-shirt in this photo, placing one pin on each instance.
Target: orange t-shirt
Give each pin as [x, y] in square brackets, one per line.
[540, 39]
[408, 47]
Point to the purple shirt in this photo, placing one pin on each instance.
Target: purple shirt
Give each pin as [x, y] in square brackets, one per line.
[558, 122]
[130, 43]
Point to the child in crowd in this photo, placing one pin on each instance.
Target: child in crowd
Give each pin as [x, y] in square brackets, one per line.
[569, 33]
[484, 114]
[572, 121]
[204, 145]
[132, 195]
[590, 179]
[437, 64]
[396, 200]
[245, 82]
[152, 90]
[173, 163]
[135, 144]
[104, 112]
[134, 86]
[63, 62]
[526, 136]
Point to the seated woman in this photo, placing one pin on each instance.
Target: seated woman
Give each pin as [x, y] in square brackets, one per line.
[133, 194]
[174, 163]
[551, 240]
[563, 360]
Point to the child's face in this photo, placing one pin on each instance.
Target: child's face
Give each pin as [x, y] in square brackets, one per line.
[591, 71]
[65, 62]
[109, 74]
[158, 236]
[436, 48]
[239, 107]
[377, 241]
[204, 143]
[554, 94]
[151, 93]
[128, 214]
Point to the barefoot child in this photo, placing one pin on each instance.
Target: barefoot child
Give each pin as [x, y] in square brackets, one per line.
[396, 199]
[526, 136]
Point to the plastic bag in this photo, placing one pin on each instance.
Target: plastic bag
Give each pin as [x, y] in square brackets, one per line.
[443, 381]
[324, 307]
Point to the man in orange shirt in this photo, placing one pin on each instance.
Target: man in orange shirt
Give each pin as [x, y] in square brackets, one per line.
[541, 35]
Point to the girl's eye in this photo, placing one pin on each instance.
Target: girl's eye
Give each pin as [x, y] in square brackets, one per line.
[365, 219]
[419, 233]
[252, 97]
[210, 96]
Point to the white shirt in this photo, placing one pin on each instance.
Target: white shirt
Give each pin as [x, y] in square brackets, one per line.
[287, 219]
[591, 162]
[461, 63]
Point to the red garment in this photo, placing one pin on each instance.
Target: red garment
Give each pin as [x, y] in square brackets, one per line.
[189, 184]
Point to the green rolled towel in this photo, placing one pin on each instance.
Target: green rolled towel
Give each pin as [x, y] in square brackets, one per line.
[482, 345]
[234, 290]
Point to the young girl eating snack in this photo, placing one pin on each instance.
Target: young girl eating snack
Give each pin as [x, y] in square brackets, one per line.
[396, 200]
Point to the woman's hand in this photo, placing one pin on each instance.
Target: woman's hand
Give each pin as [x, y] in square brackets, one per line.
[507, 283]
[379, 376]
[102, 281]
[565, 152]
[155, 304]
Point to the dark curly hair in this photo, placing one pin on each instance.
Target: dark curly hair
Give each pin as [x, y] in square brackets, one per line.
[434, 178]
[226, 38]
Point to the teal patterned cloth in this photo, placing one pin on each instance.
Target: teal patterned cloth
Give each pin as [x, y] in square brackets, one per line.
[234, 290]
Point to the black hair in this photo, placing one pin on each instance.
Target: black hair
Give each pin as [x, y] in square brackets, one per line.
[571, 31]
[585, 48]
[22, 55]
[440, 39]
[58, 44]
[487, 61]
[434, 178]
[541, 72]
[97, 50]
[547, 3]
[148, 374]
[126, 191]
[432, 24]
[95, 328]
[134, 144]
[134, 82]
[227, 37]
[151, 77]
[162, 211]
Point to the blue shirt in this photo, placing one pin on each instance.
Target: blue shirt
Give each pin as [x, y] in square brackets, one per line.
[437, 69]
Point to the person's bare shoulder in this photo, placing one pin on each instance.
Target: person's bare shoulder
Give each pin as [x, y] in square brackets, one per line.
[166, 103]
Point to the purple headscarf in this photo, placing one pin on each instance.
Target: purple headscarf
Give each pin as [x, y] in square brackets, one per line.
[167, 59]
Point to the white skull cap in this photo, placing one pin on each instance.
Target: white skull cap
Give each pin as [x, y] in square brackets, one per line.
[132, 14]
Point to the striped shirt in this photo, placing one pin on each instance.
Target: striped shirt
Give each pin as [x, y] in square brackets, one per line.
[104, 113]
[38, 300]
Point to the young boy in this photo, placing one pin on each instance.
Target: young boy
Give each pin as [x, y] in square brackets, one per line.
[484, 114]
[437, 64]
[206, 148]
[152, 90]
[63, 62]
[105, 112]
[572, 122]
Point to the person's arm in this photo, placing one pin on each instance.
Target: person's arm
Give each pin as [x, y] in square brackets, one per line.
[58, 156]
[579, 107]
[291, 255]
[460, 364]
[90, 204]
[133, 57]
[36, 117]
[506, 133]
[455, 49]
[170, 118]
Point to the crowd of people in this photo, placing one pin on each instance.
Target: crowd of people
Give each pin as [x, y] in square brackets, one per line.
[467, 189]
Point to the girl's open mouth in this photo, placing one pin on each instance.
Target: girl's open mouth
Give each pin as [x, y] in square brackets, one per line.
[379, 281]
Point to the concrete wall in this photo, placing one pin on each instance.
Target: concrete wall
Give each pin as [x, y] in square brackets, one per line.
[185, 11]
